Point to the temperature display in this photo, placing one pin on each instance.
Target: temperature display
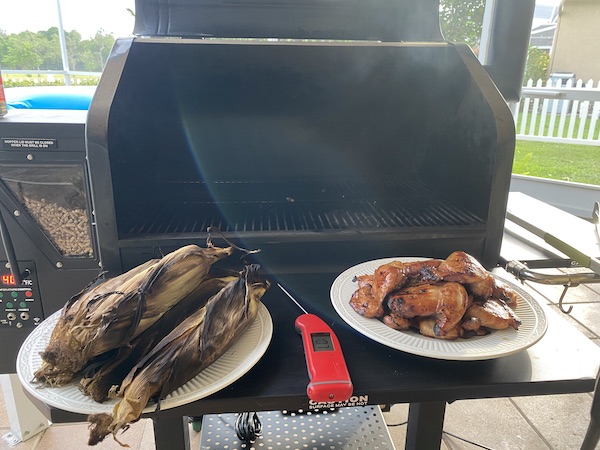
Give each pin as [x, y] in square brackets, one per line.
[322, 342]
[8, 279]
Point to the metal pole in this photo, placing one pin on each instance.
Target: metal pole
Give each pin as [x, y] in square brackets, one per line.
[484, 43]
[63, 45]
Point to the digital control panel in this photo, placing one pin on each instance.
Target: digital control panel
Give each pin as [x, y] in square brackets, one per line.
[20, 304]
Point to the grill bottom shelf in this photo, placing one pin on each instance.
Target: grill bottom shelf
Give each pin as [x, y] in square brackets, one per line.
[360, 427]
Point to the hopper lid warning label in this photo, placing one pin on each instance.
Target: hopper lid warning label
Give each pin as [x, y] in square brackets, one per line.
[28, 143]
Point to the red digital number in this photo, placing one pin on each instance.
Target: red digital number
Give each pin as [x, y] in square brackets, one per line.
[8, 279]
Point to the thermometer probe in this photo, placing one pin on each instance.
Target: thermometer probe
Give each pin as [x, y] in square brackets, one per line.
[329, 377]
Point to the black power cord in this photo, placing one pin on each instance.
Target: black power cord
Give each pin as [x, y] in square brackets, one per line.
[248, 427]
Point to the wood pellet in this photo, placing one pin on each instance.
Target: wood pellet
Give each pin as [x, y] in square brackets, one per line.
[68, 229]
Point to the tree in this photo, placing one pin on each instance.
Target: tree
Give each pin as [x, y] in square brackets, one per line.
[537, 64]
[93, 53]
[41, 51]
[24, 51]
[50, 50]
[3, 44]
[461, 20]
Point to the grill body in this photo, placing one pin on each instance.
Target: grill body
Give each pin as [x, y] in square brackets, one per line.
[320, 153]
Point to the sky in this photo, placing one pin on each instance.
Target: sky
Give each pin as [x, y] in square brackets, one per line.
[85, 16]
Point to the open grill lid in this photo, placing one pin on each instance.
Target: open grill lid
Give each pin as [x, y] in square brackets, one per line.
[380, 20]
[505, 40]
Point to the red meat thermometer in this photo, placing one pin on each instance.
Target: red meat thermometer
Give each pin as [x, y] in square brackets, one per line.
[329, 377]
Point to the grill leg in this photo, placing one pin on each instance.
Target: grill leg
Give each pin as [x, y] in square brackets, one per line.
[171, 433]
[425, 425]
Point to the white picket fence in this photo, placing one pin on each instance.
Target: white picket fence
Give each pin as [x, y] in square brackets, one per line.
[554, 113]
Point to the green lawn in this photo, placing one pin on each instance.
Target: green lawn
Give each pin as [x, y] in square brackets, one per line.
[579, 163]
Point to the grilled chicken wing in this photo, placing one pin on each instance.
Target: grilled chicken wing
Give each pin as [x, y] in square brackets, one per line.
[363, 280]
[429, 327]
[365, 304]
[396, 321]
[446, 302]
[462, 268]
[493, 314]
[396, 274]
[503, 292]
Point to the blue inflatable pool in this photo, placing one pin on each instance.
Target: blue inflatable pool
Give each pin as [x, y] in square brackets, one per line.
[50, 97]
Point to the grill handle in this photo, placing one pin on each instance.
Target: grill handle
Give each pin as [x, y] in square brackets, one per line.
[521, 271]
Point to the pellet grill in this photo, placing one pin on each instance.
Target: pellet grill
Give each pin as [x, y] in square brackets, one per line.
[324, 133]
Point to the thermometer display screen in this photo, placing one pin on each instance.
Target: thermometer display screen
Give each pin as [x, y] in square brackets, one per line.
[321, 342]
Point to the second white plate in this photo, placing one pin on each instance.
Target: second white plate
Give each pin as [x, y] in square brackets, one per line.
[494, 345]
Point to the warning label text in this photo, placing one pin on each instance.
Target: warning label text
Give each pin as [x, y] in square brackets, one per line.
[28, 143]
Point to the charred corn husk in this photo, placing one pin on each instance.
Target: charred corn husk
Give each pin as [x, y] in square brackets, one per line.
[107, 374]
[186, 351]
[116, 311]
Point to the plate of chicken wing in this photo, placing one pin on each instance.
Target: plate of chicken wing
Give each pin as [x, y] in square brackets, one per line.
[451, 309]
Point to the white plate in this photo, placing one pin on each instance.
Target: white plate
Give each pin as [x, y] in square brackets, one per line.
[494, 345]
[234, 363]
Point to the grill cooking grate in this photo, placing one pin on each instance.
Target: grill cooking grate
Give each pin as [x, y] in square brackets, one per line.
[294, 207]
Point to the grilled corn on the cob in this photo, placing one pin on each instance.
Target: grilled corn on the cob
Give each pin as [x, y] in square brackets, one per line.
[106, 375]
[192, 346]
[112, 313]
